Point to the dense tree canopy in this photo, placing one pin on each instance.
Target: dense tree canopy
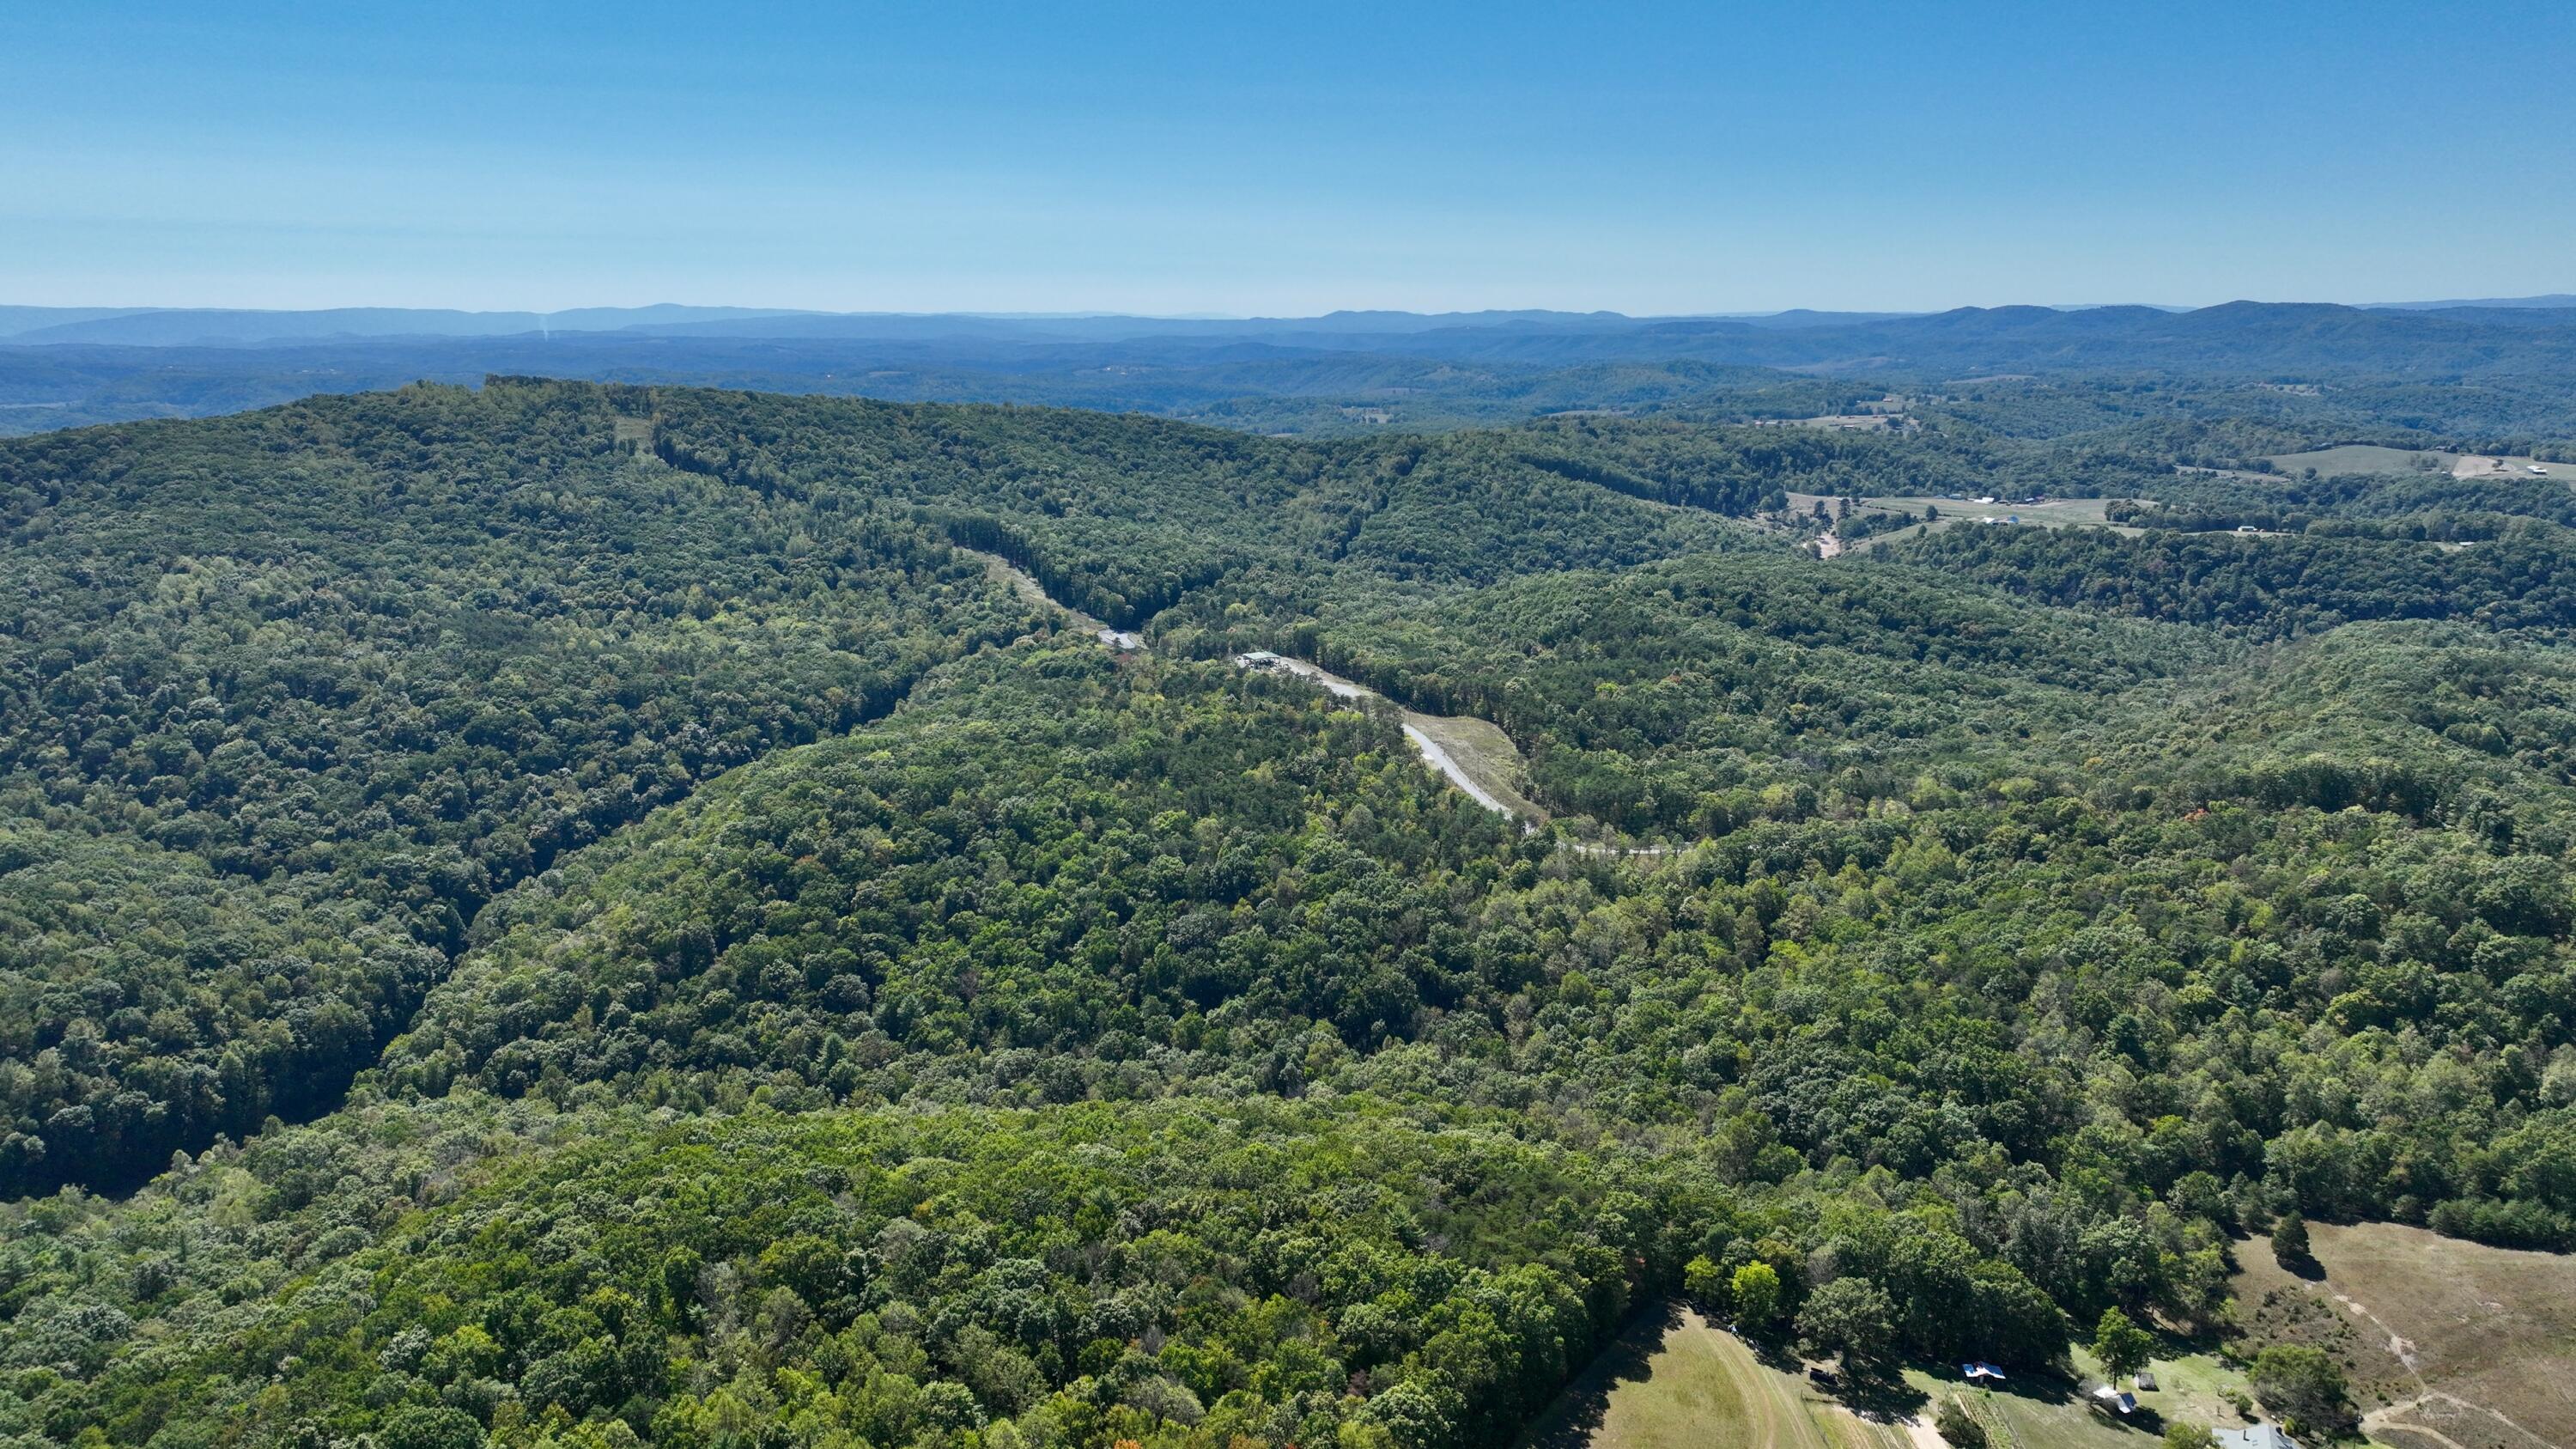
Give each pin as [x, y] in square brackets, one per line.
[416, 647]
[581, 916]
[2524, 577]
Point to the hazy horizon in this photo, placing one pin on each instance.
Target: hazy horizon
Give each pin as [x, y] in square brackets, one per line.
[998, 314]
[1166, 161]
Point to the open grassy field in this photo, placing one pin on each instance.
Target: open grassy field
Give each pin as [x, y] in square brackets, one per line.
[1681, 1382]
[2043, 1414]
[1675, 1379]
[2056, 513]
[2053, 1414]
[2045, 1420]
[1485, 754]
[2364, 458]
[2194, 1388]
[2361, 458]
[2448, 1344]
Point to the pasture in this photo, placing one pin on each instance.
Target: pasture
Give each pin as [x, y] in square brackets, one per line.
[2448, 1344]
[2365, 458]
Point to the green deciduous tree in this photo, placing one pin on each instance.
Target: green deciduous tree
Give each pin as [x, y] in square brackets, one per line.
[2121, 1345]
[2305, 1387]
[1754, 1290]
[1851, 1317]
[1706, 1283]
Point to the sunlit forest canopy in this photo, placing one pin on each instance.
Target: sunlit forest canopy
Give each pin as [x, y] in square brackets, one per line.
[552, 913]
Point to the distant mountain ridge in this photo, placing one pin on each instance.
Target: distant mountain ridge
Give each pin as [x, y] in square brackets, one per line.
[210, 326]
[69, 366]
[2546, 301]
[2407, 336]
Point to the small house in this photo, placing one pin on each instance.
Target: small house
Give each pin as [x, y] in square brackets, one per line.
[1981, 1373]
[2255, 1436]
[2112, 1401]
[2146, 1381]
[1259, 660]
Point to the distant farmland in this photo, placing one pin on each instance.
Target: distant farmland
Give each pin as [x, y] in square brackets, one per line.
[2364, 458]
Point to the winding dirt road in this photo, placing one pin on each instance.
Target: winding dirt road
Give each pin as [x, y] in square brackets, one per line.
[1467, 751]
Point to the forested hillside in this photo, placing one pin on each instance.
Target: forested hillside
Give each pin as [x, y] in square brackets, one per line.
[559, 915]
[1705, 692]
[379, 660]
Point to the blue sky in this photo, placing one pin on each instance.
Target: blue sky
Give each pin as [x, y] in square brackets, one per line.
[1283, 157]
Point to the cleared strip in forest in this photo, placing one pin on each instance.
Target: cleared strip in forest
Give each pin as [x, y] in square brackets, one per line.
[1020, 582]
[1446, 743]
[1449, 743]
[1472, 754]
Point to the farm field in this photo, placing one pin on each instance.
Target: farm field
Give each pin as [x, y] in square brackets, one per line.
[2366, 458]
[2448, 1344]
